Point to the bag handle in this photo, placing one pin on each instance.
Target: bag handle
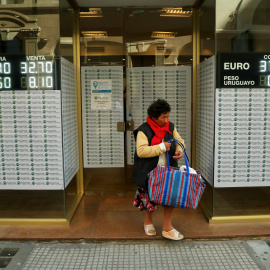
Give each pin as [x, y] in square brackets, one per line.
[185, 155]
[168, 171]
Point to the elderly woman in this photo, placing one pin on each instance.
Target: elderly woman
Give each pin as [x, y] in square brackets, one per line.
[151, 145]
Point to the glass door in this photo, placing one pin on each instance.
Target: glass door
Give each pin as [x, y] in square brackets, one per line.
[129, 58]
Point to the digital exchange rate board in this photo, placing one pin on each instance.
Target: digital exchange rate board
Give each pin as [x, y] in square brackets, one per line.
[27, 73]
[243, 70]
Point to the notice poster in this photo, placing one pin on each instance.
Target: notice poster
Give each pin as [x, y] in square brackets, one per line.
[101, 91]
[101, 102]
[101, 86]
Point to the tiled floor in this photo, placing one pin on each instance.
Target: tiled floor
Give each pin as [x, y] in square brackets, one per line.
[108, 217]
[106, 213]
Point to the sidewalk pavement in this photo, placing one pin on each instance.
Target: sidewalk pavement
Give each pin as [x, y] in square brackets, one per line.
[130, 254]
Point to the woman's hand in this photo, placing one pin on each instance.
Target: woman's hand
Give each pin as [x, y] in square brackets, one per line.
[167, 145]
[177, 155]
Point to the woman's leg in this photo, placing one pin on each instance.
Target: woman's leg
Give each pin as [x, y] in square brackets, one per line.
[167, 230]
[148, 218]
[148, 221]
[167, 222]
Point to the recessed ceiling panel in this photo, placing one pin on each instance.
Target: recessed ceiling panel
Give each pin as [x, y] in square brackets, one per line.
[137, 3]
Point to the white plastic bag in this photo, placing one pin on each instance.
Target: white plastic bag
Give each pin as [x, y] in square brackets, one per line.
[184, 169]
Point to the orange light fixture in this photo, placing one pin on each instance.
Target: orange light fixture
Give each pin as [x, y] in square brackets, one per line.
[159, 34]
[177, 12]
[90, 12]
[95, 34]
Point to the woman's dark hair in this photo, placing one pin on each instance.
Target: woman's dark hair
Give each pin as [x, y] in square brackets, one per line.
[158, 107]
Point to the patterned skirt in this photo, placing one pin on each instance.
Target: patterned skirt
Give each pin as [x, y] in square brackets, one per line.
[142, 201]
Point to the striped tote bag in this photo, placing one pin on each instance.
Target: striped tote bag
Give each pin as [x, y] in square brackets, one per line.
[171, 187]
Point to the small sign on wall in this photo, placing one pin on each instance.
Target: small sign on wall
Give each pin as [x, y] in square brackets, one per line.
[101, 92]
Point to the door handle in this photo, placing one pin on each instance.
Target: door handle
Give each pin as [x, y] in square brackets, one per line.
[121, 127]
[125, 126]
[130, 125]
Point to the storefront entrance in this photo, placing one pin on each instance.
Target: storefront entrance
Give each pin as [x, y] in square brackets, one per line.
[63, 64]
[129, 58]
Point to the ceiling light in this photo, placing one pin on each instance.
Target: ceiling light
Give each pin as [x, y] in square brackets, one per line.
[90, 12]
[95, 34]
[177, 12]
[159, 34]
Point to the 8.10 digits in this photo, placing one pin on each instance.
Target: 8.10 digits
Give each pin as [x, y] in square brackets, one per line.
[38, 75]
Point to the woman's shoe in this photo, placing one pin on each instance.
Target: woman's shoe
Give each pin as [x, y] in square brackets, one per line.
[173, 235]
[150, 230]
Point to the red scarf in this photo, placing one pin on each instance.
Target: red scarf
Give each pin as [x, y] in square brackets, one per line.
[159, 131]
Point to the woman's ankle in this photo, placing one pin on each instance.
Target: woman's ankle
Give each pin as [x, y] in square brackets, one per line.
[167, 228]
[148, 219]
[148, 222]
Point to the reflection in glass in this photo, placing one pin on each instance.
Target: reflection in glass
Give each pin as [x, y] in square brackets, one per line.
[30, 45]
[123, 37]
[11, 2]
[28, 31]
[243, 26]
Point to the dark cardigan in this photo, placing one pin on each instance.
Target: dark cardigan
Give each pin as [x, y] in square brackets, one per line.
[142, 166]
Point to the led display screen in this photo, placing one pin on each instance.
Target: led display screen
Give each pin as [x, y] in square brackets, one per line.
[27, 73]
[243, 70]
